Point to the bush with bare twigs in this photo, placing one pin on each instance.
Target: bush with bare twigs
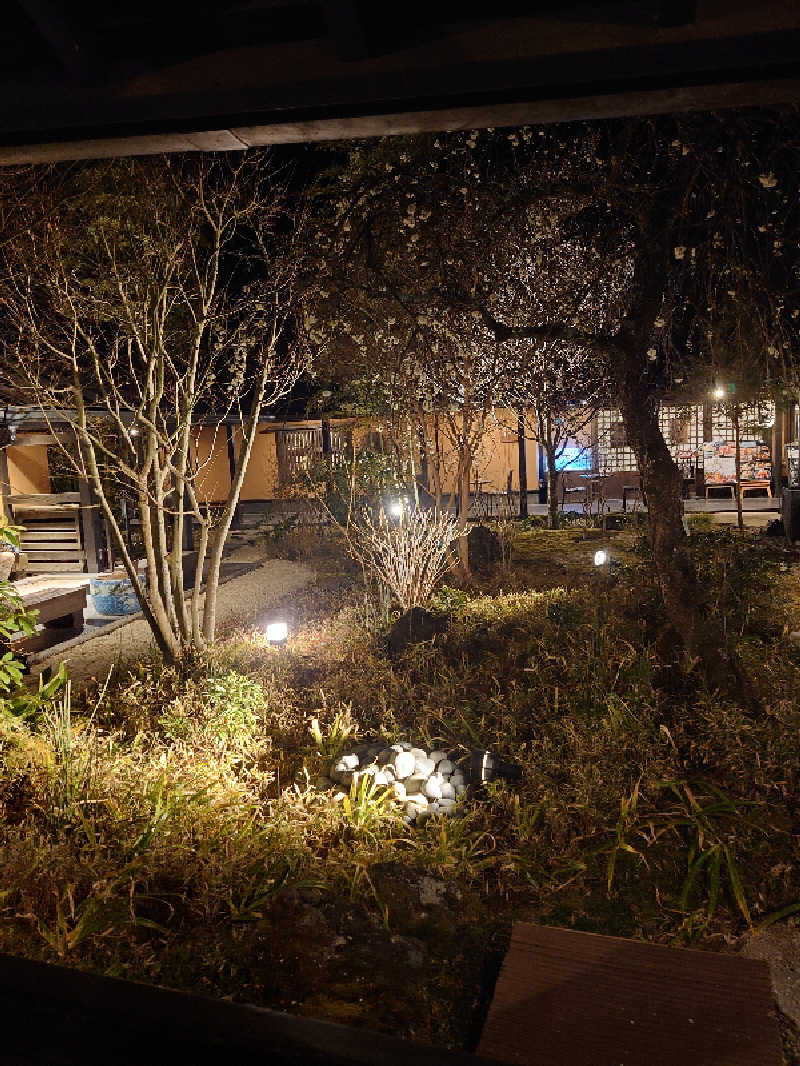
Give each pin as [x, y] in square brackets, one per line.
[408, 555]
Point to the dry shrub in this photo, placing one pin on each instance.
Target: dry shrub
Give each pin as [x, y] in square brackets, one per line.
[409, 555]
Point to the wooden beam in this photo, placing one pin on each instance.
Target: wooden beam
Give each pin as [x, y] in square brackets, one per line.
[246, 97]
[25, 440]
[109, 1019]
[45, 499]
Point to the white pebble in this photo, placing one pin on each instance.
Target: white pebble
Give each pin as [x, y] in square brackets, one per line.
[397, 747]
[415, 783]
[437, 755]
[424, 766]
[405, 745]
[349, 762]
[460, 789]
[446, 805]
[445, 767]
[419, 753]
[399, 790]
[380, 778]
[403, 764]
[448, 792]
[433, 788]
[416, 804]
[457, 778]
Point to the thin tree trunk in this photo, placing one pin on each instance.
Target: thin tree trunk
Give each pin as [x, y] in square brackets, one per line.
[523, 465]
[221, 533]
[552, 489]
[737, 434]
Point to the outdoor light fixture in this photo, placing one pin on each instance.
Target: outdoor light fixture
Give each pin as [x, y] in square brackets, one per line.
[719, 392]
[277, 632]
[600, 557]
[326, 394]
[396, 508]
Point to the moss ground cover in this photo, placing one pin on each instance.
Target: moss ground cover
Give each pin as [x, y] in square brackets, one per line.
[167, 827]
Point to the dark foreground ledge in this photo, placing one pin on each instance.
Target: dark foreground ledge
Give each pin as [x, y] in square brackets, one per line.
[60, 1017]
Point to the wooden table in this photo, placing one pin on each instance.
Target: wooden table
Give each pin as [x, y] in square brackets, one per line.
[60, 616]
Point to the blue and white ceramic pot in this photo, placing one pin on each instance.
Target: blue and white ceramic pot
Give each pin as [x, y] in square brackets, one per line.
[113, 593]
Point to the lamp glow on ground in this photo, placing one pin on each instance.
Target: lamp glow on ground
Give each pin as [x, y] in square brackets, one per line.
[277, 632]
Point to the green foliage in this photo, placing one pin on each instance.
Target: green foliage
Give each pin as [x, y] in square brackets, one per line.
[369, 807]
[448, 600]
[14, 618]
[229, 707]
[330, 744]
[740, 572]
[23, 703]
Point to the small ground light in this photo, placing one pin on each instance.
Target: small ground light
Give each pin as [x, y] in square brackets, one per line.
[277, 632]
[396, 508]
[719, 392]
[600, 557]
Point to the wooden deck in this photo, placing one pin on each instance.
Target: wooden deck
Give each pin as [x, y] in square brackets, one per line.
[576, 999]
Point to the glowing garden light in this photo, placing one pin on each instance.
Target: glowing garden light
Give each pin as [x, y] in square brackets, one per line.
[600, 557]
[277, 632]
[396, 508]
[719, 392]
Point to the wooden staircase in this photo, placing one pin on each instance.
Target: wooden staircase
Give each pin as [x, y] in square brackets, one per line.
[52, 531]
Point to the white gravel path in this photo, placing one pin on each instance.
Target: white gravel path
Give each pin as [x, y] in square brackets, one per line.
[240, 600]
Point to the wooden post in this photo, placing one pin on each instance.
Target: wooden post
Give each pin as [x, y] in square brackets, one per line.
[523, 465]
[326, 453]
[89, 536]
[708, 434]
[235, 523]
[5, 484]
[777, 451]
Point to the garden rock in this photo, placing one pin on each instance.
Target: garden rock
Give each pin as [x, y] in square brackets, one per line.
[414, 627]
[421, 784]
[404, 765]
[483, 548]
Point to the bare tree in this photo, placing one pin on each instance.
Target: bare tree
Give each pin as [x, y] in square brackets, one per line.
[154, 299]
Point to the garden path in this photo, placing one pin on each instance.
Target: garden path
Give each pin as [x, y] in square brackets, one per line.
[241, 600]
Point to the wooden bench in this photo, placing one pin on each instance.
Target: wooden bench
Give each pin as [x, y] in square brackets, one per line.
[744, 487]
[60, 618]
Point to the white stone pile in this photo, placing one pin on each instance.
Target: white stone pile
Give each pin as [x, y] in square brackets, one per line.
[422, 782]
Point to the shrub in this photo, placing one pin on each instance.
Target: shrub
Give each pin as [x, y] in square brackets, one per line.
[408, 556]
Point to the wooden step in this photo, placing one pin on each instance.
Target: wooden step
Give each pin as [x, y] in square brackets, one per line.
[45, 499]
[36, 555]
[55, 568]
[37, 536]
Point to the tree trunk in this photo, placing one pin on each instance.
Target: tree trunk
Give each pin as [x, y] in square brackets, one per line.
[685, 599]
[737, 435]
